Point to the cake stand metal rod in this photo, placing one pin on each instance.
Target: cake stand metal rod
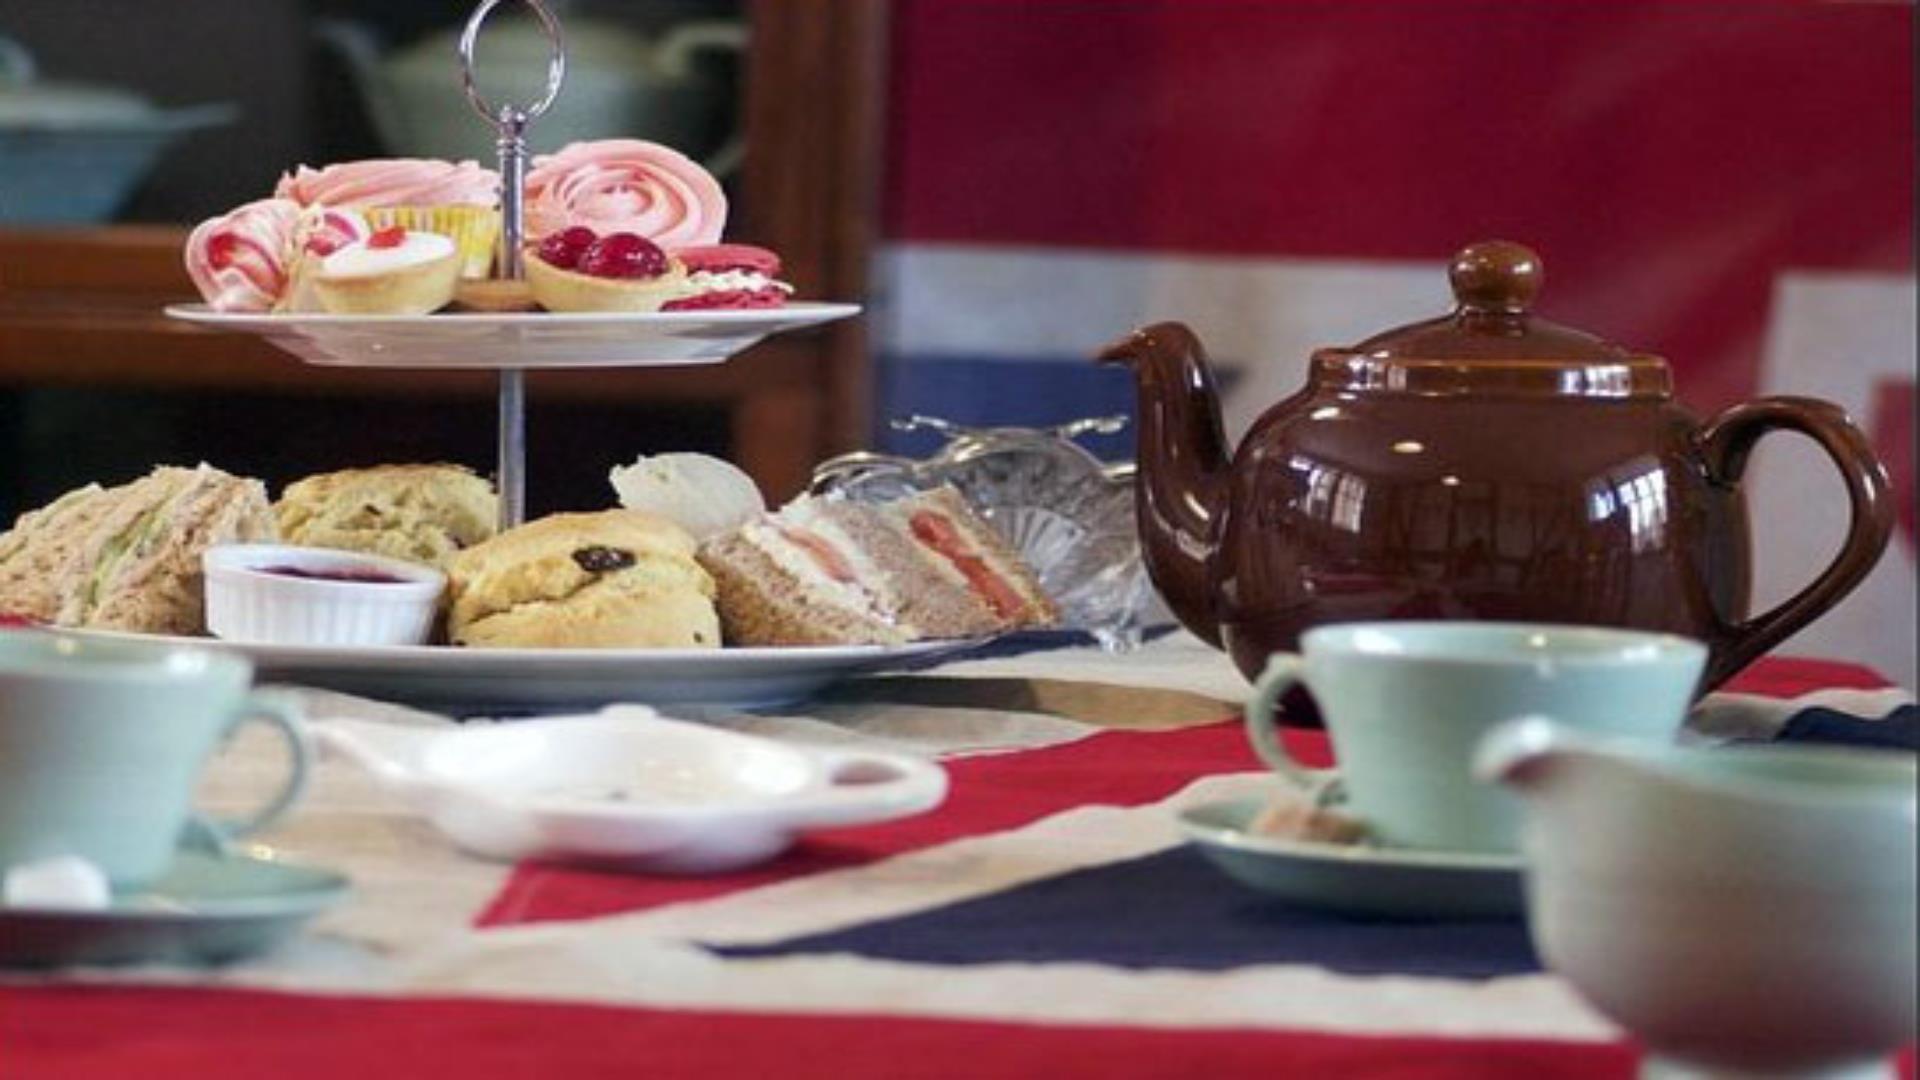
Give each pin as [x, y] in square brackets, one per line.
[511, 453]
[510, 123]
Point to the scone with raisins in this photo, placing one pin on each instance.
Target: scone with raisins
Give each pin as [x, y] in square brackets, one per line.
[614, 579]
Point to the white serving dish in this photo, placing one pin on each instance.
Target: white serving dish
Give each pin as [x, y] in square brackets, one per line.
[248, 603]
[522, 339]
[629, 788]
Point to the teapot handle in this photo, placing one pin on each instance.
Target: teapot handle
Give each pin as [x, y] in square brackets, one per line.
[1726, 442]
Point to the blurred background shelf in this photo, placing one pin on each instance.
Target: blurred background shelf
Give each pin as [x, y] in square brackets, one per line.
[96, 384]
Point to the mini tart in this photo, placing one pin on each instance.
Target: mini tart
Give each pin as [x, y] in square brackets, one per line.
[566, 290]
[408, 288]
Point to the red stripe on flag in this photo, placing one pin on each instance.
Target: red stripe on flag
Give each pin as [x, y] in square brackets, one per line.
[1790, 677]
[1379, 128]
[102, 1034]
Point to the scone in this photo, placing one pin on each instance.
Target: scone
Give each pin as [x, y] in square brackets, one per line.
[614, 579]
[128, 557]
[426, 513]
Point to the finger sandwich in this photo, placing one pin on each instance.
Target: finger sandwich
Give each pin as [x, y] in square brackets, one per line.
[128, 557]
[834, 571]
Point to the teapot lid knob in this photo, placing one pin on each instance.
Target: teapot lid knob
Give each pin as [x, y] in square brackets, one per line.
[1495, 277]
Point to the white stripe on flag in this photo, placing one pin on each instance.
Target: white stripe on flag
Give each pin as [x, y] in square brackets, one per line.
[1260, 317]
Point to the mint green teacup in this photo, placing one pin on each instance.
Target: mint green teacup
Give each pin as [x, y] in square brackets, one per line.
[101, 743]
[1405, 704]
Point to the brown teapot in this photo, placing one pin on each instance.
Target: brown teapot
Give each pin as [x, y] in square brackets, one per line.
[1487, 464]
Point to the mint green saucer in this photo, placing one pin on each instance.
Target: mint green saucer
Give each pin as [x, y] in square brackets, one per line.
[206, 909]
[1354, 879]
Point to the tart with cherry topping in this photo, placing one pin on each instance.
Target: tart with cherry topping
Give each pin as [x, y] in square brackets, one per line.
[576, 270]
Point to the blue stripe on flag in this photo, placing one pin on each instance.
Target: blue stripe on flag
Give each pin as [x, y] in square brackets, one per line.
[1898, 730]
[1169, 910]
[1003, 393]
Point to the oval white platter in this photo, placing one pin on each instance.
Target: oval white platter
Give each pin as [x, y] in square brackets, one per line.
[628, 788]
[521, 339]
[502, 681]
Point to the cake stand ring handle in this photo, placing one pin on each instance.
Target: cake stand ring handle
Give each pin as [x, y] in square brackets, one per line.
[508, 116]
[510, 123]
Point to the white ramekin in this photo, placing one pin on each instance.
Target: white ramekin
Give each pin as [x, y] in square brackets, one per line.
[246, 603]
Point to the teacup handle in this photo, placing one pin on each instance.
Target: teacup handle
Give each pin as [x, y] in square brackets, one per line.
[1282, 674]
[285, 718]
[1727, 440]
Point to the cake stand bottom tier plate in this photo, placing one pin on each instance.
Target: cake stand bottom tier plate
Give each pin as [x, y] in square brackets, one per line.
[508, 681]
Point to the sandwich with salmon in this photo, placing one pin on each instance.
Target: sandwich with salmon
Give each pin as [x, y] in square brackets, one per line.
[834, 571]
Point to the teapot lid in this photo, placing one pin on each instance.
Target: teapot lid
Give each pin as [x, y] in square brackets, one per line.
[1494, 285]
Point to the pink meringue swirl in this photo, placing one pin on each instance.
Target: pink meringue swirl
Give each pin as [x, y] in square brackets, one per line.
[392, 182]
[625, 185]
[239, 261]
[243, 260]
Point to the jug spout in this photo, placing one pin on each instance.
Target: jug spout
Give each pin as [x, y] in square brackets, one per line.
[1522, 754]
[1183, 466]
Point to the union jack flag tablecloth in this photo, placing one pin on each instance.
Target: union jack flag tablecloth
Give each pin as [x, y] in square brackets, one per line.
[1047, 920]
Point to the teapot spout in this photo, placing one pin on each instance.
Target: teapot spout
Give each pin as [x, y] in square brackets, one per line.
[1183, 466]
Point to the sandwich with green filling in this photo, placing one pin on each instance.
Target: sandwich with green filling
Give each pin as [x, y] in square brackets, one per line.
[128, 557]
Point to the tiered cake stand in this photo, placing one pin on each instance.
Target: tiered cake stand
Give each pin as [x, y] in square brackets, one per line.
[511, 680]
[518, 342]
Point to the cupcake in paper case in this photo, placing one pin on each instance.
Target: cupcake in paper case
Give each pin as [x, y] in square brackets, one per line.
[458, 200]
[363, 185]
[474, 230]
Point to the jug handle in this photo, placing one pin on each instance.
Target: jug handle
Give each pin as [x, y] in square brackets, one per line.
[1726, 442]
[360, 49]
[675, 54]
[17, 65]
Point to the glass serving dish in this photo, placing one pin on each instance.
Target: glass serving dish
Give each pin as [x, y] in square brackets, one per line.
[1069, 514]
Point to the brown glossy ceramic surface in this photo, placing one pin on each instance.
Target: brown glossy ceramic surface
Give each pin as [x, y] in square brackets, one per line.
[1484, 465]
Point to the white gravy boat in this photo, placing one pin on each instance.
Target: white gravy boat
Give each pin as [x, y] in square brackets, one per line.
[629, 788]
[1746, 910]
